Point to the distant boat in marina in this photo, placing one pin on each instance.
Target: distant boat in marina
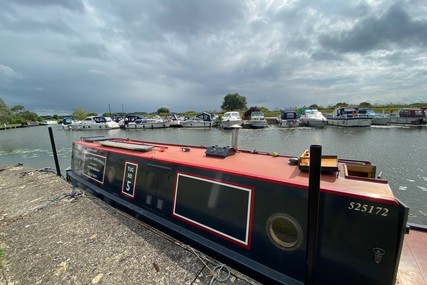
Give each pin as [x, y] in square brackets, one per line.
[312, 118]
[174, 120]
[202, 120]
[288, 119]
[49, 122]
[257, 120]
[124, 121]
[231, 118]
[30, 124]
[409, 116]
[349, 117]
[377, 118]
[93, 123]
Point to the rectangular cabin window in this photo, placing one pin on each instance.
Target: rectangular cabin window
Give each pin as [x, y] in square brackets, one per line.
[220, 208]
[158, 182]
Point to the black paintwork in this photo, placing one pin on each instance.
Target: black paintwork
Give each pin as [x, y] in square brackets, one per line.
[346, 237]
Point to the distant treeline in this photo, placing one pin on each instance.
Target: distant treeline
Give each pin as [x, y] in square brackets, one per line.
[18, 114]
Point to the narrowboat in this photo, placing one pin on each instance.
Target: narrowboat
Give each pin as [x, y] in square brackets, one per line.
[409, 117]
[252, 210]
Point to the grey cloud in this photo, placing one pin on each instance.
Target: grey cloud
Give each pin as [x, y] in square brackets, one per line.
[89, 50]
[32, 26]
[150, 21]
[7, 74]
[326, 56]
[74, 5]
[152, 52]
[394, 27]
[196, 17]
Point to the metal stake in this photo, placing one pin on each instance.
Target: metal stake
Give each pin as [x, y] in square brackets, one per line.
[55, 155]
[313, 212]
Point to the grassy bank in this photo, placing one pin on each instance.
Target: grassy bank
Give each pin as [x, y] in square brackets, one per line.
[2, 255]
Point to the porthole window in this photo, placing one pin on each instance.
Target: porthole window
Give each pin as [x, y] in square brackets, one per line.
[111, 175]
[284, 232]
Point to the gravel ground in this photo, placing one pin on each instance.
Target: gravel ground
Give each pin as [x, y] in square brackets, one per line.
[54, 235]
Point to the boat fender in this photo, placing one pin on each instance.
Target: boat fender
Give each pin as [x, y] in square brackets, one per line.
[293, 161]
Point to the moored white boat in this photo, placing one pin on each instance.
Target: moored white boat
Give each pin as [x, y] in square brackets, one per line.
[349, 117]
[312, 118]
[66, 121]
[49, 122]
[202, 120]
[174, 120]
[149, 123]
[231, 118]
[124, 122]
[93, 123]
[257, 120]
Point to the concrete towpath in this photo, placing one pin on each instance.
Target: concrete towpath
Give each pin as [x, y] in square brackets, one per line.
[50, 234]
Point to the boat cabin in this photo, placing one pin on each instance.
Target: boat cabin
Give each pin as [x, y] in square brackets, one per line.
[98, 119]
[288, 115]
[412, 113]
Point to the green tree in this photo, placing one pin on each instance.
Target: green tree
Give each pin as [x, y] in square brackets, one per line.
[365, 105]
[315, 106]
[18, 109]
[6, 114]
[234, 102]
[27, 116]
[341, 104]
[248, 112]
[163, 110]
[79, 113]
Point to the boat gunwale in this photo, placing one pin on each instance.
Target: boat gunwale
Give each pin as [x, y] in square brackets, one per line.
[302, 184]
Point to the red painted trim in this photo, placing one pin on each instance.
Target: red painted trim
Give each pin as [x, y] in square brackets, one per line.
[211, 168]
[360, 197]
[262, 178]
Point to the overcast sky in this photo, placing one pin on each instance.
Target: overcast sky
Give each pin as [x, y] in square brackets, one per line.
[56, 55]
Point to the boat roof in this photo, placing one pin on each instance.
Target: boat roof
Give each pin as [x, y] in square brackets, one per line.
[264, 166]
[232, 113]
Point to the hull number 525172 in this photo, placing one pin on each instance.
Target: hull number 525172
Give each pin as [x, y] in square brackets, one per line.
[370, 209]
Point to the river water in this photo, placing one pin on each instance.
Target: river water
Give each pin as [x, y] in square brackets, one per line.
[399, 153]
